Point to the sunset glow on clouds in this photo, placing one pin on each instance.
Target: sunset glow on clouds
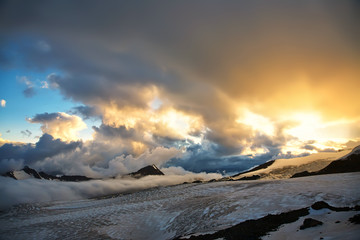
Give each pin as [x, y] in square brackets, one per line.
[209, 85]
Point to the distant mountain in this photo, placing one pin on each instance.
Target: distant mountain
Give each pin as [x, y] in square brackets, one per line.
[348, 163]
[28, 172]
[320, 163]
[146, 171]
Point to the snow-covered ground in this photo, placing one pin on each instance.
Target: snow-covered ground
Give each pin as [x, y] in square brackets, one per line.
[166, 212]
[335, 226]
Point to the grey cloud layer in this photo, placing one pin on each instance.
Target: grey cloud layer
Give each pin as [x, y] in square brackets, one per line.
[28, 154]
[186, 47]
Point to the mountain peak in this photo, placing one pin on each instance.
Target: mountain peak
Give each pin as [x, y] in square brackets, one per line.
[146, 171]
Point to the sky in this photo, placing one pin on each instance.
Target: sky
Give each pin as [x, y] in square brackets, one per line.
[101, 88]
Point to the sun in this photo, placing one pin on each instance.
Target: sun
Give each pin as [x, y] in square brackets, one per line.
[310, 126]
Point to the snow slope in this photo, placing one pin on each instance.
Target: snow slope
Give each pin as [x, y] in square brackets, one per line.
[285, 168]
[167, 212]
[21, 175]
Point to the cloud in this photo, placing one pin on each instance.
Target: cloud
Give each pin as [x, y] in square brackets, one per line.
[60, 125]
[243, 50]
[157, 156]
[230, 76]
[105, 159]
[2, 103]
[26, 133]
[43, 46]
[29, 90]
[16, 155]
[44, 84]
[33, 190]
[85, 111]
[111, 132]
[3, 141]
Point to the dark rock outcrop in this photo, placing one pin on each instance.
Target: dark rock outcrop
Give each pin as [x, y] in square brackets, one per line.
[31, 172]
[10, 174]
[73, 178]
[253, 177]
[355, 219]
[310, 222]
[262, 166]
[321, 205]
[47, 176]
[43, 175]
[197, 181]
[255, 229]
[301, 174]
[146, 171]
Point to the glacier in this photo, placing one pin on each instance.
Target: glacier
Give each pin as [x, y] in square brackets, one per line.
[173, 211]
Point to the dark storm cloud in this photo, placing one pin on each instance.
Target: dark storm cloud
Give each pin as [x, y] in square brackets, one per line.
[235, 47]
[47, 146]
[44, 117]
[85, 111]
[208, 159]
[114, 132]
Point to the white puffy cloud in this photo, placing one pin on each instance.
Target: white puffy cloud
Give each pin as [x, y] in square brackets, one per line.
[129, 163]
[59, 125]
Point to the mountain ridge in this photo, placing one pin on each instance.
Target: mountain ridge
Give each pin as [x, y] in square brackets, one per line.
[317, 164]
[28, 172]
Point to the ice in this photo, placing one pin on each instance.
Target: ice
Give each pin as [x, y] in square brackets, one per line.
[167, 212]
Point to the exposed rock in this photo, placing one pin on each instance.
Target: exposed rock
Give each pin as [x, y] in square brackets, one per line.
[355, 219]
[255, 229]
[10, 174]
[262, 166]
[146, 171]
[301, 174]
[253, 177]
[310, 222]
[321, 204]
[47, 176]
[74, 178]
[197, 181]
[31, 172]
[42, 175]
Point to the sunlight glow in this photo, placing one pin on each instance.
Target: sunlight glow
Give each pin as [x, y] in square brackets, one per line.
[177, 122]
[310, 126]
[257, 122]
